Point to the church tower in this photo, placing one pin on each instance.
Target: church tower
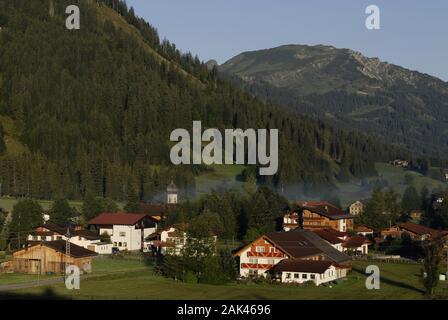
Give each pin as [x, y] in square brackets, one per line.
[171, 192]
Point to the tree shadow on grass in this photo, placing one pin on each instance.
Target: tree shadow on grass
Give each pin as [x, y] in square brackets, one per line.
[392, 282]
[48, 294]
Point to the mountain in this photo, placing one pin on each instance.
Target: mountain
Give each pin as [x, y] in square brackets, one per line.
[349, 90]
[90, 111]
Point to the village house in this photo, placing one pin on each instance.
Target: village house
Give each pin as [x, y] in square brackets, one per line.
[50, 257]
[356, 208]
[50, 231]
[127, 231]
[364, 231]
[167, 242]
[357, 245]
[263, 256]
[302, 271]
[318, 215]
[417, 232]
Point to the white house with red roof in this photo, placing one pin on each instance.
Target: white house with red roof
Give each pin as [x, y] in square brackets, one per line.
[127, 231]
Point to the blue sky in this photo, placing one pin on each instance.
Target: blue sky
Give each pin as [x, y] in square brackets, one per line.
[413, 32]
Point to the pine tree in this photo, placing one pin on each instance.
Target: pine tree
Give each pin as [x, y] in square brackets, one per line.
[60, 211]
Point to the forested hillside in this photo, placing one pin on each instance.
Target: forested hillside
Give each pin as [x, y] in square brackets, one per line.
[91, 110]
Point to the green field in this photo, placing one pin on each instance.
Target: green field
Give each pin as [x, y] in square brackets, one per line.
[220, 176]
[8, 203]
[350, 192]
[134, 280]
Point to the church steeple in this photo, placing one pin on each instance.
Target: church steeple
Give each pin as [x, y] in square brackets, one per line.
[171, 192]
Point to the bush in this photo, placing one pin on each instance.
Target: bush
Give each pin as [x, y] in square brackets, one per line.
[2, 255]
[190, 277]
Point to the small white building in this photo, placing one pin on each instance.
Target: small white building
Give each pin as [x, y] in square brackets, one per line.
[127, 231]
[303, 271]
[167, 242]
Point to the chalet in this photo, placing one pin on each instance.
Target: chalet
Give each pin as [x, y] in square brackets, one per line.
[318, 215]
[415, 231]
[356, 208]
[263, 256]
[50, 257]
[167, 242]
[50, 231]
[364, 231]
[341, 241]
[127, 231]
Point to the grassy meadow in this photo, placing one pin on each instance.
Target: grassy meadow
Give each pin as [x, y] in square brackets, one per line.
[124, 279]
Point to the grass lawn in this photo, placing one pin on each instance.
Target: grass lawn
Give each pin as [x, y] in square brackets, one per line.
[398, 281]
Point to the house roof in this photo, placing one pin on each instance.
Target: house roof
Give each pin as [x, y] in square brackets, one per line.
[56, 228]
[416, 228]
[330, 236]
[362, 228]
[60, 246]
[355, 242]
[326, 209]
[308, 266]
[301, 243]
[117, 219]
[153, 209]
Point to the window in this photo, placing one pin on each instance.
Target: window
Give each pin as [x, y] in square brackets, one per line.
[115, 244]
[253, 261]
[125, 244]
[296, 276]
[304, 276]
[119, 244]
[271, 261]
[122, 234]
[272, 250]
[288, 276]
[253, 272]
[313, 276]
[259, 249]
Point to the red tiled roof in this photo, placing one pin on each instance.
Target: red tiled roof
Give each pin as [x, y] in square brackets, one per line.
[330, 235]
[326, 209]
[355, 242]
[362, 228]
[416, 228]
[117, 219]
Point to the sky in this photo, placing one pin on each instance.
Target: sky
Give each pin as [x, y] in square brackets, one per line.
[413, 34]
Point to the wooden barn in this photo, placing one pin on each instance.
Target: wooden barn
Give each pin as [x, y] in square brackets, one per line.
[50, 257]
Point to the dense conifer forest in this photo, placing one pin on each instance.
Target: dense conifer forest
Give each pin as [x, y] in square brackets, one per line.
[90, 111]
